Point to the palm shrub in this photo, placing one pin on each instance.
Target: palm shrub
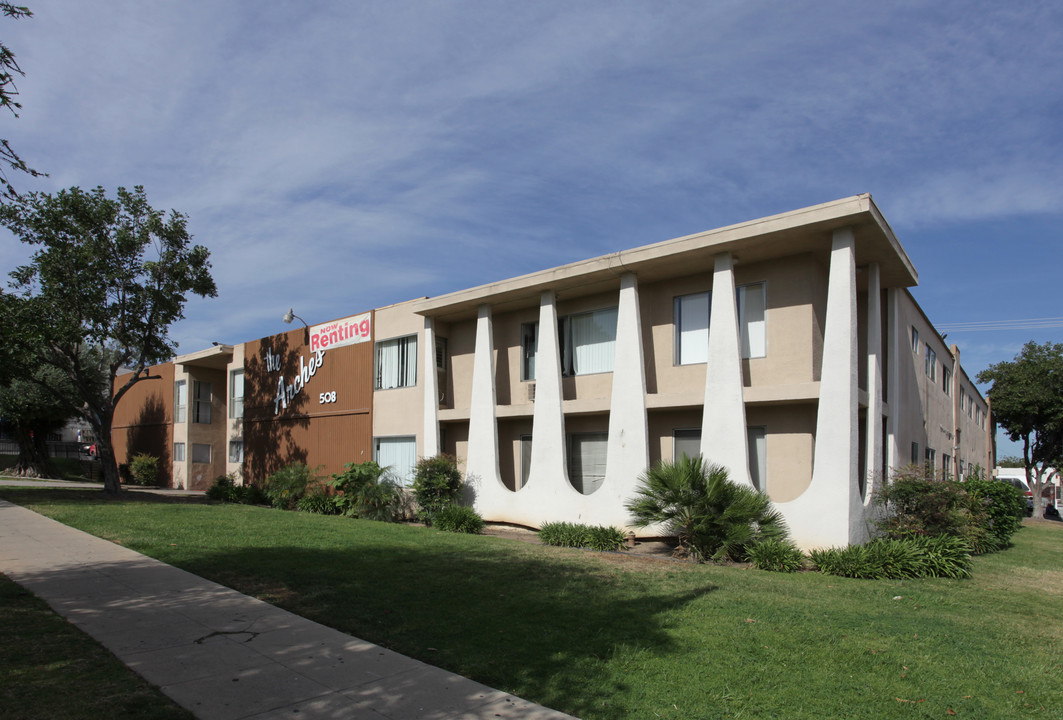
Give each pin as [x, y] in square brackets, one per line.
[367, 492]
[436, 484]
[287, 485]
[712, 516]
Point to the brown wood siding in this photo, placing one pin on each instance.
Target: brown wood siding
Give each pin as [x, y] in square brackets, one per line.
[325, 433]
[143, 420]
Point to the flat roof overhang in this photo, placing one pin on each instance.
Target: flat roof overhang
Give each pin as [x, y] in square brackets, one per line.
[217, 358]
[807, 230]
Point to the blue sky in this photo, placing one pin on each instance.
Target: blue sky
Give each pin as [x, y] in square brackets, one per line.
[339, 156]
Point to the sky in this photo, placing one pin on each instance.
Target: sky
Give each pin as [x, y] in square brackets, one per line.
[340, 156]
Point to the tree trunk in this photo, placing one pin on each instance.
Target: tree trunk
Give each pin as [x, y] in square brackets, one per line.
[33, 458]
[112, 481]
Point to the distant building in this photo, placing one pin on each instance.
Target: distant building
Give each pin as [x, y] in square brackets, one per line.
[787, 349]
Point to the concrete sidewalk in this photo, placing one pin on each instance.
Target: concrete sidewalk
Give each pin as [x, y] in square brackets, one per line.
[222, 654]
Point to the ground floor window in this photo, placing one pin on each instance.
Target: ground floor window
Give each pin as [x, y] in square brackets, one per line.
[201, 453]
[686, 441]
[236, 451]
[586, 460]
[178, 452]
[758, 457]
[398, 455]
[525, 460]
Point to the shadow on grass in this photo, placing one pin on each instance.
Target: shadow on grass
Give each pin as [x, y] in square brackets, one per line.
[547, 625]
[537, 627]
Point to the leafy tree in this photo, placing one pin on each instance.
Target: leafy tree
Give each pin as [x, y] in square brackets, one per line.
[713, 516]
[1010, 461]
[1027, 398]
[108, 278]
[9, 68]
[33, 414]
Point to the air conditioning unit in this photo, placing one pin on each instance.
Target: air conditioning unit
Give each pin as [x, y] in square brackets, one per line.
[531, 392]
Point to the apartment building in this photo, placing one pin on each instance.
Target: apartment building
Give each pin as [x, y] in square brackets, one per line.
[787, 349]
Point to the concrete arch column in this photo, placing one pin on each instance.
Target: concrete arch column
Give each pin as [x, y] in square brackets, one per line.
[830, 512]
[431, 443]
[875, 471]
[628, 452]
[723, 424]
[481, 463]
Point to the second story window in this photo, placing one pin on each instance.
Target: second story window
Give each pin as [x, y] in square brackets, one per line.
[180, 401]
[692, 328]
[529, 345]
[931, 364]
[201, 402]
[236, 394]
[396, 363]
[588, 342]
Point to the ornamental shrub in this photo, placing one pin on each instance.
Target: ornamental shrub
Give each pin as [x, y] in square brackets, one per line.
[458, 519]
[563, 534]
[712, 516]
[1003, 504]
[287, 485]
[917, 506]
[606, 538]
[577, 535]
[916, 557]
[776, 556]
[225, 489]
[254, 495]
[144, 469]
[367, 493]
[317, 501]
[436, 484]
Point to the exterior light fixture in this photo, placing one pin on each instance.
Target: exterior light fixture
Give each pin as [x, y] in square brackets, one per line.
[290, 315]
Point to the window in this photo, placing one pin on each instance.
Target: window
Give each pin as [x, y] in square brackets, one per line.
[931, 364]
[915, 340]
[751, 306]
[588, 342]
[970, 406]
[441, 354]
[758, 457]
[180, 400]
[396, 363]
[915, 453]
[236, 451]
[586, 461]
[525, 460]
[201, 453]
[931, 459]
[946, 465]
[398, 456]
[946, 380]
[200, 404]
[686, 441]
[178, 452]
[960, 467]
[692, 328]
[529, 345]
[236, 394]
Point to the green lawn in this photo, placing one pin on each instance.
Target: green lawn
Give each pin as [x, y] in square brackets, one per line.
[605, 637]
